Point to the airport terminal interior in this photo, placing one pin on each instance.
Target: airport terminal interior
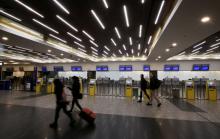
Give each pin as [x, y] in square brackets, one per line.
[48, 46]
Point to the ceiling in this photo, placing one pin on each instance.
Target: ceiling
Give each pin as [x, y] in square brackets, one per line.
[187, 31]
[81, 19]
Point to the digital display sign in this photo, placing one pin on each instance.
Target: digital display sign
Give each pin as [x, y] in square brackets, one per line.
[76, 68]
[44, 69]
[205, 68]
[58, 68]
[146, 67]
[201, 67]
[125, 68]
[171, 67]
[101, 68]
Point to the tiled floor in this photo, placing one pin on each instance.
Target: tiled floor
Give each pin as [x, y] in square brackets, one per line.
[117, 118]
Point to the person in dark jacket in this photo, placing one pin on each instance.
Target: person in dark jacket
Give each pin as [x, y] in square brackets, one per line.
[61, 103]
[76, 93]
[144, 85]
[154, 85]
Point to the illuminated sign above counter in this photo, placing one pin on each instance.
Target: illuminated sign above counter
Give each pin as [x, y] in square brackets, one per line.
[125, 68]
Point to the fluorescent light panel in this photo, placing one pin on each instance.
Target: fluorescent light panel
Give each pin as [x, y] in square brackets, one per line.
[29, 8]
[82, 50]
[208, 52]
[138, 53]
[215, 44]
[96, 45]
[105, 52]
[120, 51]
[159, 12]
[197, 49]
[124, 47]
[9, 15]
[199, 44]
[217, 40]
[77, 38]
[65, 22]
[61, 6]
[95, 53]
[117, 32]
[149, 40]
[139, 46]
[79, 44]
[107, 48]
[105, 3]
[132, 51]
[113, 42]
[182, 53]
[140, 31]
[195, 53]
[142, 1]
[130, 41]
[213, 48]
[127, 54]
[88, 35]
[126, 15]
[94, 49]
[145, 51]
[42, 24]
[55, 37]
[97, 18]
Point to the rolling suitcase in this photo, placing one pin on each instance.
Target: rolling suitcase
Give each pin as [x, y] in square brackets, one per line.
[88, 115]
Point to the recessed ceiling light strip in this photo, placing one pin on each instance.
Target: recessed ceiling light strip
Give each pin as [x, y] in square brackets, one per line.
[88, 35]
[215, 44]
[117, 32]
[126, 15]
[132, 51]
[195, 53]
[61, 6]
[217, 40]
[139, 46]
[65, 22]
[82, 50]
[96, 45]
[95, 53]
[130, 41]
[197, 49]
[9, 15]
[105, 3]
[120, 51]
[149, 40]
[182, 53]
[159, 12]
[127, 54]
[142, 1]
[208, 52]
[199, 44]
[138, 53]
[77, 38]
[94, 49]
[105, 52]
[79, 44]
[213, 48]
[29, 8]
[124, 47]
[113, 42]
[140, 31]
[42, 24]
[97, 18]
[145, 51]
[55, 37]
[107, 48]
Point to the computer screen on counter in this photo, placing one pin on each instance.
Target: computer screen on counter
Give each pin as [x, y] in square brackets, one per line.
[76, 68]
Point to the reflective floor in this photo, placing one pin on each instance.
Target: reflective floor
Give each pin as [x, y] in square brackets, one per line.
[26, 115]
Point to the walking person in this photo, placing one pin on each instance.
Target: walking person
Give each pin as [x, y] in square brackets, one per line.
[144, 85]
[61, 103]
[154, 85]
[76, 93]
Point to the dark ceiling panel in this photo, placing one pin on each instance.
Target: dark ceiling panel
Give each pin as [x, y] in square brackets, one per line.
[80, 17]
